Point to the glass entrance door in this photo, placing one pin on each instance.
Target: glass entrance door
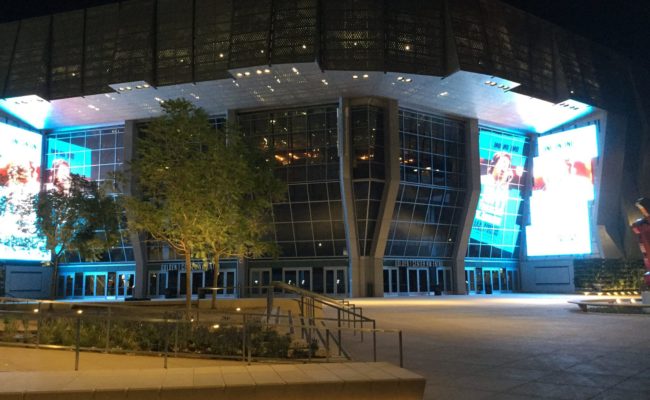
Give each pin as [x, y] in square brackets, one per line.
[470, 280]
[391, 281]
[335, 281]
[95, 284]
[418, 280]
[157, 283]
[491, 280]
[443, 274]
[259, 279]
[300, 277]
[125, 284]
[65, 285]
[226, 280]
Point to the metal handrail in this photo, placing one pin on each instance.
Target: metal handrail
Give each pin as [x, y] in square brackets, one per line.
[176, 320]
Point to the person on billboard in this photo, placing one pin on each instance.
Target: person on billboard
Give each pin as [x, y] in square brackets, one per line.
[641, 227]
[60, 175]
[494, 188]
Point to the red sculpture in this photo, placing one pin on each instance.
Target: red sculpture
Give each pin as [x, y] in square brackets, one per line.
[642, 229]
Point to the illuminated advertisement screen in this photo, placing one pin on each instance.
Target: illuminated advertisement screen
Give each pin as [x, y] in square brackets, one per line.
[20, 169]
[563, 192]
[502, 170]
[64, 158]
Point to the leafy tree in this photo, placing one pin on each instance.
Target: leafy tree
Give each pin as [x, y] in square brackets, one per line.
[80, 217]
[206, 193]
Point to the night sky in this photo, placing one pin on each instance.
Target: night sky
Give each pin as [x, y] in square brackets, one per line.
[623, 25]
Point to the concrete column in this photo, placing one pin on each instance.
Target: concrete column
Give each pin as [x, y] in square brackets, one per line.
[355, 272]
[139, 247]
[389, 196]
[366, 272]
[473, 190]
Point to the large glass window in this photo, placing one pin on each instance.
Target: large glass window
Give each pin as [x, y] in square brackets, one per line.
[496, 227]
[431, 192]
[367, 131]
[309, 221]
[95, 154]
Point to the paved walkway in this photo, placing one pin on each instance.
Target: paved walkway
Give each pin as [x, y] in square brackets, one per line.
[512, 347]
[503, 347]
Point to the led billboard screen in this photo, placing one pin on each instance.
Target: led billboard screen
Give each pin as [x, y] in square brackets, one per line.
[502, 169]
[20, 170]
[563, 192]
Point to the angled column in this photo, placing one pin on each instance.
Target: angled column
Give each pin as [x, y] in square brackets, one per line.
[473, 190]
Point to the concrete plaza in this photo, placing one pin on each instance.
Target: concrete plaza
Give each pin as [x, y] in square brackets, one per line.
[514, 346]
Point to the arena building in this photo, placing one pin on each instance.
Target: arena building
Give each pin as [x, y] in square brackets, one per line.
[428, 146]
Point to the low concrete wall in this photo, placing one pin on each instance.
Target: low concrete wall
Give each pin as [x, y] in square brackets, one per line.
[313, 381]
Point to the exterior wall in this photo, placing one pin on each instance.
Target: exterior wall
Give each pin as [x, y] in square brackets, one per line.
[27, 282]
[547, 276]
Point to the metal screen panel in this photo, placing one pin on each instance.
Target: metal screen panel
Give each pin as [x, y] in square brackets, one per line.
[468, 26]
[99, 48]
[250, 35]
[133, 59]
[415, 37]
[8, 34]
[615, 93]
[541, 70]
[507, 34]
[353, 35]
[212, 39]
[28, 73]
[294, 31]
[174, 42]
[67, 55]
[591, 92]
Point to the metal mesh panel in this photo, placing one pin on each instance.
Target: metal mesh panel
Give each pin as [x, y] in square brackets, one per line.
[8, 34]
[28, 73]
[174, 42]
[134, 52]
[212, 39]
[468, 28]
[249, 41]
[415, 37]
[353, 35]
[101, 38]
[67, 55]
[590, 86]
[541, 79]
[507, 35]
[294, 31]
[570, 64]
[615, 93]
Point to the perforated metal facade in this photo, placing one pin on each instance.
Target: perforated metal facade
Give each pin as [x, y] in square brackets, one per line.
[167, 42]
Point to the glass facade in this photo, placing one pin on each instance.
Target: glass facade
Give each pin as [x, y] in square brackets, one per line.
[309, 222]
[432, 187]
[96, 154]
[367, 129]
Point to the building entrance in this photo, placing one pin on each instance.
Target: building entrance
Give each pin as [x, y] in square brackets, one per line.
[391, 281]
[443, 275]
[418, 280]
[335, 279]
[300, 277]
[259, 279]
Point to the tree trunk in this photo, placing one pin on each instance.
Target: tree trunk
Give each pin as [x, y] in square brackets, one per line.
[55, 277]
[215, 279]
[188, 282]
[215, 275]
